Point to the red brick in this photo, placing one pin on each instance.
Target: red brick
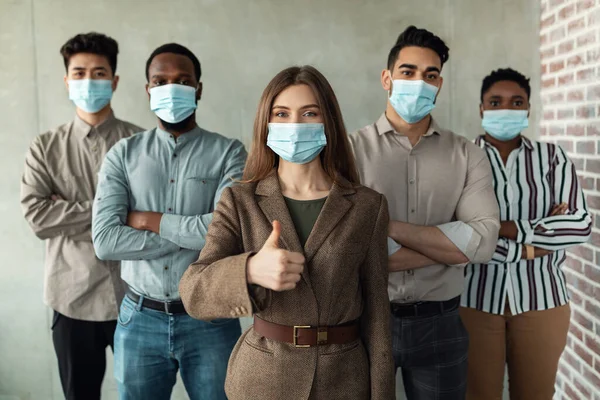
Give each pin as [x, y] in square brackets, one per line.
[557, 130]
[582, 285]
[583, 389]
[549, 82]
[554, 98]
[592, 130]
[572, 361]
[548, 53]
[546, 22]
[565, 113]
[566, 79]
[592, 56]
[584, 112]
[591, 378]
[592, 272]
[557, 34]
[581, 251]
[585, 74]
[587, 147]
[574, 265]
[566, 144]
[587, 183]
[576, 299]
[576, 25]
[543, 131]
[594, 18]
[575, 130]
[574, 61]
[566, 11]
[595, 236]
[586, 38]
[570, 392]
[549, 115]
[593, 92]
[582, 320]
[584, 4]
[544, 69]
[555, 3]
[575, 95]
[578, 163]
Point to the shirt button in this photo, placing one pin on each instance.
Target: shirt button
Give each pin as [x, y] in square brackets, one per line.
[411, 181]
[409, 272]
[174, 155]
[412, 211]
[166, 267]
[172, 180]
[167, 294]
[170, 209]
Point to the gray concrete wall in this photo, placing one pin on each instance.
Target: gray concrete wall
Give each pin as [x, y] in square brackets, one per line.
[241, 44]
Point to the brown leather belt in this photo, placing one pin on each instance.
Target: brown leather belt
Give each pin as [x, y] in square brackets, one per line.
[307, 336]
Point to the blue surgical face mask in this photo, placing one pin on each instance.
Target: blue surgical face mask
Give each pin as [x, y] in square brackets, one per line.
[296, 143]
[505, 125]
[173, 103]
[90, 95]
[412, 100]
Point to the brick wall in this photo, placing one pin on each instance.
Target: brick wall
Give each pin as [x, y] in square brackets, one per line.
[570, 75]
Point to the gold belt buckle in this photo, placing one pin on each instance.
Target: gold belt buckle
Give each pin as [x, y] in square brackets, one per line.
[296, 327]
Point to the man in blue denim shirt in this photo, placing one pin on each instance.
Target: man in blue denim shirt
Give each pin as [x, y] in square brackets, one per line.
[156, 192]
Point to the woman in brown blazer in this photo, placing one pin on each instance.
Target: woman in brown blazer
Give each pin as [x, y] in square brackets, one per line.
[302, 246]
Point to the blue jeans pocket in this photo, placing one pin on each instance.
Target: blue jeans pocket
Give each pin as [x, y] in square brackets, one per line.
[126, 313]
[221, 321]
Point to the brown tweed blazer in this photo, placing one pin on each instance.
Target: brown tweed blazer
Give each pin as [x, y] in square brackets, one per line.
[345, 278]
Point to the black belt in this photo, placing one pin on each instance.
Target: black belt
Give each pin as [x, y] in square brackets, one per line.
[168, 307]
[424, 308]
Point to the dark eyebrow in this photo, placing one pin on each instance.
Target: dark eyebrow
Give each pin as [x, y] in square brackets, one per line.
[433, 69]
[276, 106]
[518, 96]
[409, 66]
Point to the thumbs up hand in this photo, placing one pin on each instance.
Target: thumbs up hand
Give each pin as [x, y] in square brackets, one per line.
[275, 268]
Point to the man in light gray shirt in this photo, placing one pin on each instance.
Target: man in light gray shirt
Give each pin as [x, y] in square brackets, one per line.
[57, 190]
[444, 215]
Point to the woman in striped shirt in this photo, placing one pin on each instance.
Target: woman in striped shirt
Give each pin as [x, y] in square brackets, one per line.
[516, 307]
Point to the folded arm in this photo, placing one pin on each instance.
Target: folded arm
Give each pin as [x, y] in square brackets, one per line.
[113, 239]
[189, 232]
[47, 217]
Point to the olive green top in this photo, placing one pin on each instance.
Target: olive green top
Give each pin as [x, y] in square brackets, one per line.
[304, 214]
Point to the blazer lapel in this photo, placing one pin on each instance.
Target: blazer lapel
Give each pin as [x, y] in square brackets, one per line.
[334, 209]
[273, 206]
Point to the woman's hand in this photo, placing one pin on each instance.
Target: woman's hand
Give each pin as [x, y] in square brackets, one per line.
[275, 268]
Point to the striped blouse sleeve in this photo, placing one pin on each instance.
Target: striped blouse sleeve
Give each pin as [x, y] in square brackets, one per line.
[507, 251]
[560, 231]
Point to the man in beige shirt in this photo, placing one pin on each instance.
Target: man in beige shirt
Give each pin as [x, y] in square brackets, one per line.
[443, 211]
[57, 191]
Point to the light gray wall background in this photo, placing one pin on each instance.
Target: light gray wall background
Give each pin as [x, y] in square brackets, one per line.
[242, 45]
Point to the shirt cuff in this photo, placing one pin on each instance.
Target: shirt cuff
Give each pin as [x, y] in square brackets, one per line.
[169, 227]
[462, 236]
[524, 231]
[515, 252]
[393, 246]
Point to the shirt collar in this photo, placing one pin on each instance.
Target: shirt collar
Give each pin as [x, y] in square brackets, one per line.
[82, 129]
[383, 126]
[168, 137]
[526, 143]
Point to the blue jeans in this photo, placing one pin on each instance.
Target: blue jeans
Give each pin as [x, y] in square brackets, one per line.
[150, 346]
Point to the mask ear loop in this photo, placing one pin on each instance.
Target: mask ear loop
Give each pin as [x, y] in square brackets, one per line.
[391, 84]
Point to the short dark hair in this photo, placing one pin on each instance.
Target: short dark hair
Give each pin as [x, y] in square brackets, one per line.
[413, 36]
[505, 74]
[93, 42]
[176, 49]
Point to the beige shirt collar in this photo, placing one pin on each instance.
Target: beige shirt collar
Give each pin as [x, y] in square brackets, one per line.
[82, 129]
[383, 126]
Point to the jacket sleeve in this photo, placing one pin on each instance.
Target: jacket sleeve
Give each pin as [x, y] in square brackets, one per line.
[216, 285]
[50, 218]
[560, 231]
[375, 320]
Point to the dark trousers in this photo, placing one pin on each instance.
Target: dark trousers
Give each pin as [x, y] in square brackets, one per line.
[81, 351]
[432, 353]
